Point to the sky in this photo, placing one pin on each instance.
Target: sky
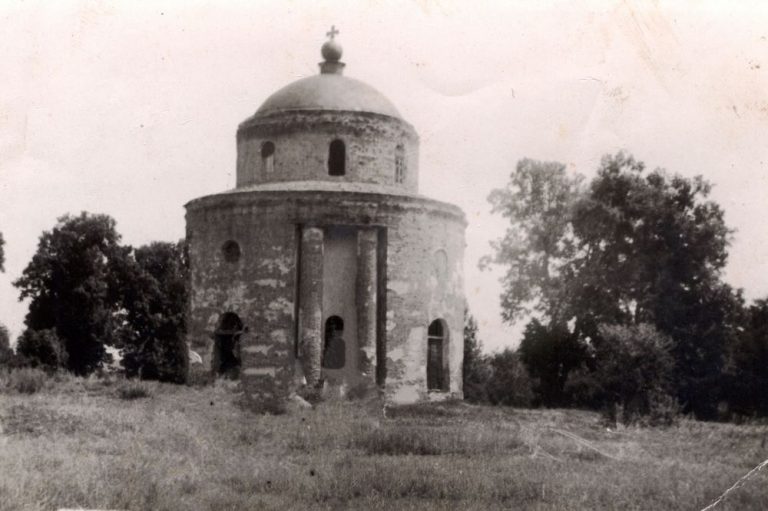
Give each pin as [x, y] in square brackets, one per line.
[130, 108]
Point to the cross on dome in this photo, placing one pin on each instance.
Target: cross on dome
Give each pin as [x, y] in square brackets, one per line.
[331, 52]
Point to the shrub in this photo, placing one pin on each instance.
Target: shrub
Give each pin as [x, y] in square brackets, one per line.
[550, 351]
[582, 389]
[42, 348]
[6, 353]
[131, 390]
[509, 383]
[476, 369]
[664, 410]
[634, 368]
[154, 297]
[26, 380]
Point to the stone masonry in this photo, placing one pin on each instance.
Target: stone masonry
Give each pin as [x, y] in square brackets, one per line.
[325, 250]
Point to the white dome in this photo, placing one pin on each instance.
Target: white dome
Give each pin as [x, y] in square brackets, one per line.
[328, 92]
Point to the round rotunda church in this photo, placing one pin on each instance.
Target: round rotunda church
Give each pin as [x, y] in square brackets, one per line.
[324, 267]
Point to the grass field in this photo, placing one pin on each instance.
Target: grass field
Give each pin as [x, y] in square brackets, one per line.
[106, 444]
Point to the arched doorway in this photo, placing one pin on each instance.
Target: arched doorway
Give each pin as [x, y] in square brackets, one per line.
[435, 360]
[334, 346]
[226, 349]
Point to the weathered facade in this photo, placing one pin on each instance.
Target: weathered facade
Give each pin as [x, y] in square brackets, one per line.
[324, 267]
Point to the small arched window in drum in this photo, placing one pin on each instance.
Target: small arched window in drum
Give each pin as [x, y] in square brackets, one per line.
[400, 164]
[268, 156]
[337, 158]
[231, 251]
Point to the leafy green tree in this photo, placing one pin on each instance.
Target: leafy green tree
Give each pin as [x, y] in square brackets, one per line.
[550, 352]
[651, 250]
[633, 247]
[154, 290]
[509, 383]
[71, 287]
[539, 245]
[476, 370]
[42, 348]
[634, 373]
[646, 241]
[6, 352]
[539, 248]
[747, 363]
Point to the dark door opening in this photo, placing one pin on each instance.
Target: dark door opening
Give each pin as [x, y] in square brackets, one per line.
[334, 351]
[226, 351]
[435, 372]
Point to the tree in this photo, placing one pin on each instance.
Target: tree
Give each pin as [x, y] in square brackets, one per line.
[633, 247]
[42, 348]
[70, 282]
[6, 352]
[538, 245]
[645, 241]
[476, 369]
[747, 363]
[634, 371]
[509, 383]
[651, 248]
[154, 294]
[550, 352]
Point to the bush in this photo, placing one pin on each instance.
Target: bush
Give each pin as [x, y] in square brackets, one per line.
[550, 352]
[154, 297]
[509, 383]
[162, 359]
[6, 353]
[633, 375]
[131, 390]
[476, 370]
[26, 380]
[746, 367]
[582, 389]
[42, 348]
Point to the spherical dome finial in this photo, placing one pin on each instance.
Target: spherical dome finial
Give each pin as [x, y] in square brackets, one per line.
[331, 51]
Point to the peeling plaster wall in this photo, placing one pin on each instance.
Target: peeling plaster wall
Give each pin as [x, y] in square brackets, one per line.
[425, 282]
[301, 148]
[424, 253]
[259, 288]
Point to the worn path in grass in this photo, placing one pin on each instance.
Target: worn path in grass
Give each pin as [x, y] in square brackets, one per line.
[77, 443]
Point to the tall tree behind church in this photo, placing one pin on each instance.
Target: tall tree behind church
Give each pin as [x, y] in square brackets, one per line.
[634, 247]
[153, 294]
[71, 286]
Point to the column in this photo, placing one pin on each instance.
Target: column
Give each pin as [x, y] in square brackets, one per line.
[367, 240]
[311, 303]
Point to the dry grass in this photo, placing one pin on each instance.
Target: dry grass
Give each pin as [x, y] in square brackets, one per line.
[77, 443]
[130, 390]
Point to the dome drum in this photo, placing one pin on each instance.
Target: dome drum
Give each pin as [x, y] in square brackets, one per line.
[378, 149]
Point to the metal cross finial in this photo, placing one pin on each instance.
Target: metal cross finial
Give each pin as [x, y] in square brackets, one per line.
[332, 33]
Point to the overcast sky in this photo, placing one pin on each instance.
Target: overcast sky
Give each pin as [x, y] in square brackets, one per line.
[131, 110]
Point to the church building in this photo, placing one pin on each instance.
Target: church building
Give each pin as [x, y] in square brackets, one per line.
[324, 268]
